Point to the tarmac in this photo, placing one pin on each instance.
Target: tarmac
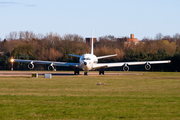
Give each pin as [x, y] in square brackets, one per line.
[60, 73]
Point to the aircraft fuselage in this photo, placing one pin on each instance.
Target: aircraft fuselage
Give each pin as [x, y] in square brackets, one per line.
[87, 60]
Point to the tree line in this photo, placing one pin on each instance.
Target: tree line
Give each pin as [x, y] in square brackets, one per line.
[53, 47]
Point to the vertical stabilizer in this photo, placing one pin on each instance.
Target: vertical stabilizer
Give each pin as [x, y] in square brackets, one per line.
[92, 42]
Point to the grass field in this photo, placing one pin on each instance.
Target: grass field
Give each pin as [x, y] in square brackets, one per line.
[150, 96]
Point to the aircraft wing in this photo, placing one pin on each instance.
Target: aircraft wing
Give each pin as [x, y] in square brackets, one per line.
[66, 64]
[119, 64]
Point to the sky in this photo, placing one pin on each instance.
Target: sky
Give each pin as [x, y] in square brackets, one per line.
[120, 18]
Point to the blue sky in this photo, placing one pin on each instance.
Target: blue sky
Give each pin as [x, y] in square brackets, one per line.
[144, 18]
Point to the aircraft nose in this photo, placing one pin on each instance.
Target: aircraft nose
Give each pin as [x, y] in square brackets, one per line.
[85, 63]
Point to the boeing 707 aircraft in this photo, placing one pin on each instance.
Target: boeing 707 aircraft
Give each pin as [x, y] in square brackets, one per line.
[89, 62]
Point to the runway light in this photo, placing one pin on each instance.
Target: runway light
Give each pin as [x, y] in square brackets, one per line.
[12, 60]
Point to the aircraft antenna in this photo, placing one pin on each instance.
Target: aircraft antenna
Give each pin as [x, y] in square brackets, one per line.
[92, 42]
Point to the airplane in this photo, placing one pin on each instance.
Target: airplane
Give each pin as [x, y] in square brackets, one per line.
[89, 62]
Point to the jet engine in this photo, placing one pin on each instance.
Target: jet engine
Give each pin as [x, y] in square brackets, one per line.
[31, 65]
[147, 66]
[126, 68]
[51, 67]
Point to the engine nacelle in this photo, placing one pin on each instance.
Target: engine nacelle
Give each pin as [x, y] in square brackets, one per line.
[50, 67]
[126, 68]
[147, 66]
[30, 65]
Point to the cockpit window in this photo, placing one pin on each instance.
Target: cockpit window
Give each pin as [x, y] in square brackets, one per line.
[86, 59]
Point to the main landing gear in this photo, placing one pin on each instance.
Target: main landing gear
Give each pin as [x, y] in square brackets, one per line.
[76, 71]
[101, 71]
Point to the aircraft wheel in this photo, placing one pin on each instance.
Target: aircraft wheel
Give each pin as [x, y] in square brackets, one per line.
[85, 73]
[76, 72]
[101, 72]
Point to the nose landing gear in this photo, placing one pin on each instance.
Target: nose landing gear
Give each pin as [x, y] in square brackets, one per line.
[86, 73]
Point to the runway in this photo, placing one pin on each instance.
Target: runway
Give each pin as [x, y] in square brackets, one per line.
[60, 73]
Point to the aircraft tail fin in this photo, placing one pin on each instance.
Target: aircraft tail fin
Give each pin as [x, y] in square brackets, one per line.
[92, 42]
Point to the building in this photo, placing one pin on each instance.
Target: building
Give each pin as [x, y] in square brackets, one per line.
[89, 40]
[129, 41]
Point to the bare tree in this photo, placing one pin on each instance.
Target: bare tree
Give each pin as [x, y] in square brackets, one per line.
[158, 36]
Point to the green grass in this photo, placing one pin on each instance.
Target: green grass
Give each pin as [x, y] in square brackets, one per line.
[151, 96]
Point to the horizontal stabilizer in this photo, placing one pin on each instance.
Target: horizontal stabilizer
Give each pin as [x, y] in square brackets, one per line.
[75, 55]
[106, 56]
